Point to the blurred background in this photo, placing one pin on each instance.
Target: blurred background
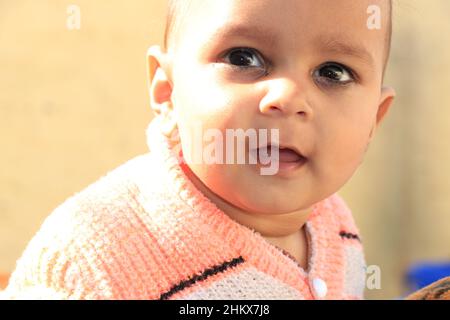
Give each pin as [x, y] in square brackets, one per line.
[74, 105]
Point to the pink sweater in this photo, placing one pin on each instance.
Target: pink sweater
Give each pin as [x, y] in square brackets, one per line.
[144, 231]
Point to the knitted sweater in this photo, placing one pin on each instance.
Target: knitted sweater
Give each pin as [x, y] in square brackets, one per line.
[144, 231]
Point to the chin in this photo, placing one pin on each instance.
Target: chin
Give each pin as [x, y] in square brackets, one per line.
[270, 205]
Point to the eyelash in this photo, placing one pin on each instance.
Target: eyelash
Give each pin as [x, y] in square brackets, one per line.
[325, 81]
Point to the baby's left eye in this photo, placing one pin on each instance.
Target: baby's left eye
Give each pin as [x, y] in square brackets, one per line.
[334, 73]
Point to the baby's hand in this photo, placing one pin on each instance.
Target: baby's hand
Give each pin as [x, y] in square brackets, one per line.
[439, 290]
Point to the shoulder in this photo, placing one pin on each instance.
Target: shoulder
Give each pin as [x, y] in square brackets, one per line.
[95, 211]
[350, 237]
[346, 222]
[71, 253]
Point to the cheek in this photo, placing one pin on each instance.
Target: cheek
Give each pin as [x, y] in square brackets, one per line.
[208, 102]
[203, 90]
[198, 98]
[343, 146]
[199, 112]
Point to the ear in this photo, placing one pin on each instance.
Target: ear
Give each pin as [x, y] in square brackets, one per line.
[160, 87]
[386, 99]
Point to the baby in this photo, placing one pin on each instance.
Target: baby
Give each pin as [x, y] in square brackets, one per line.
[299, 83]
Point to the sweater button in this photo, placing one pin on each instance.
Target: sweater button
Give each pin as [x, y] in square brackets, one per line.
[320, 288]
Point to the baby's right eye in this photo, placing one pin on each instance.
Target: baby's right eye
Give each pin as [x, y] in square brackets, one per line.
[244, 58]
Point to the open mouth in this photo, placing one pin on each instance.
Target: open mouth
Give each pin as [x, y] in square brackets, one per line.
[289, 155]
[286, 160]
[284, 154]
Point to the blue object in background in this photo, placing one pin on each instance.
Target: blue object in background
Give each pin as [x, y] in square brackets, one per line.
[422, 274]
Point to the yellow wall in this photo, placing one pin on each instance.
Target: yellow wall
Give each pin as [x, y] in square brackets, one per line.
[73, 105]
[400, 196]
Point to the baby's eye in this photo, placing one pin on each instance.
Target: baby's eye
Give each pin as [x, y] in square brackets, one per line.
[244, 58]
[332, 73]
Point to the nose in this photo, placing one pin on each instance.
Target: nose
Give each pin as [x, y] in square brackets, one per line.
[286, 97]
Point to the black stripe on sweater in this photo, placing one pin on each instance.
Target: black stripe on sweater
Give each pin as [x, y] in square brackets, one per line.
[349, 235]
[205, 274]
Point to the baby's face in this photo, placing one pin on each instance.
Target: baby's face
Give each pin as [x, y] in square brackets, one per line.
[310, 68]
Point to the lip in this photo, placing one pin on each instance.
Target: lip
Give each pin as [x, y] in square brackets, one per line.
[281, 147]
[291, 147]
[285, 168]
[292, 165]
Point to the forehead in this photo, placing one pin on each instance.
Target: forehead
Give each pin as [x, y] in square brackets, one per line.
[290, 24]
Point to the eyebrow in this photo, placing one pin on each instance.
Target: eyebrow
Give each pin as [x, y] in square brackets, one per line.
[335, 45]
[245, 31]
[328, 44]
